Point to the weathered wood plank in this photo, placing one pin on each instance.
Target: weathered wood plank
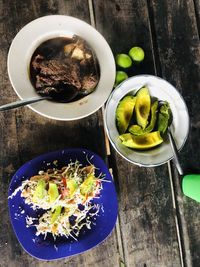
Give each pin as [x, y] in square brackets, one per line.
[179, 51]
[146, 212]
[9, 161]
[197, 13]
[25, 134]
[127, 28]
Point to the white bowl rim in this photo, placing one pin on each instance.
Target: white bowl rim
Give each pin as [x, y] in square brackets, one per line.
[108, 133]
[108, 64]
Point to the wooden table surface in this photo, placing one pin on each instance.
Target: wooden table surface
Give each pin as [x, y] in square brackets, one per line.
[157, 225]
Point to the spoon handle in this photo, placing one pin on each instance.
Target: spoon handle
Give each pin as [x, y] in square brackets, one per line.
[23, 102]
[175, 152]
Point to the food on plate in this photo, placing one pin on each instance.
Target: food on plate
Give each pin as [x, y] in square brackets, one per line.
[137, 130]
[66, 198]
[124, 112]
[142, 107]
[141, 120]
[66, 69]
[145, 141]
[163, 117]
[123, 61]
[136, 53]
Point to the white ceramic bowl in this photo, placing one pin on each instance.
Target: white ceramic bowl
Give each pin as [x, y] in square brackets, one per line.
[42, 29]
[163, 91]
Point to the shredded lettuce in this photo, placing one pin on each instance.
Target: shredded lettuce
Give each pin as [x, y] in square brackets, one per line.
[66, 197]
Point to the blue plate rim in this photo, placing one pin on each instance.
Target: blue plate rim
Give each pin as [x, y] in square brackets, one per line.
[65, 150]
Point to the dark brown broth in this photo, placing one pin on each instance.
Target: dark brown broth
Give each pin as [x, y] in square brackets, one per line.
[59, 75]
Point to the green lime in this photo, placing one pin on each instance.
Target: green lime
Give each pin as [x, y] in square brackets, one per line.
[120, 77]
[136, 53]
[123, 61]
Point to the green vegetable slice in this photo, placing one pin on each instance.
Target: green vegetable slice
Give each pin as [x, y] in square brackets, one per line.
[142, 106]
[163, 118]
[137, 130]
[87, 186]
[141, 142]
[124, 112]
[55, 214]
[53, 192]
[40, 191]
[72, 186]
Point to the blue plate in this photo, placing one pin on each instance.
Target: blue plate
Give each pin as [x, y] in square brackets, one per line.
[50, 249]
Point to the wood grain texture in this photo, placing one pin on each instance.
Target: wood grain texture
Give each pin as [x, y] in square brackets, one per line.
[179, 51]
[9, 161]
[146, 213]
[25, 134]
[118, 21]
[146, 216]
[169, 33]
[197, 13]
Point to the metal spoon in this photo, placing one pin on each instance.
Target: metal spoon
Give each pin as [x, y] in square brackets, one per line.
[172, 141]
[65, 97]
[190, 182]
[23, 102]
[175, 151]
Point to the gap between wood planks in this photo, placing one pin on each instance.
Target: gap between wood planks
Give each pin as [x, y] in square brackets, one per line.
[175, 214]
[181, 225]
[184, 260]
[197, 15]
[185, 257]
[107, 144]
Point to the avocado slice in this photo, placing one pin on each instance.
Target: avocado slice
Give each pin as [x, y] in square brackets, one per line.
[163, 118]
[55, 214]
[142, 107]
[87, 186]
[140, 142]
[53, 192]
[72, 186]
[39, 191]
[137, 130]
[124, 112]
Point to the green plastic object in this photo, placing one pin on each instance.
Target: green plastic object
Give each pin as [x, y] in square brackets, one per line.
[191, 186]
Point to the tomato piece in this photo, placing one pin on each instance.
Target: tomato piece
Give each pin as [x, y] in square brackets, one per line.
[64, 192]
